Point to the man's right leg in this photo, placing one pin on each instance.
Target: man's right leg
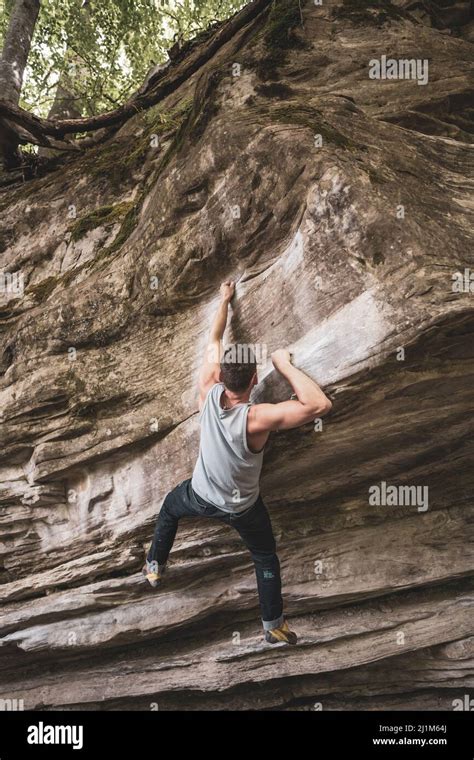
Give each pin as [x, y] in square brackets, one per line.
[177, 504]
[255, 529]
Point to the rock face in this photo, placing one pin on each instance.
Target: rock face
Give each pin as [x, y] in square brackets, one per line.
[342, 206]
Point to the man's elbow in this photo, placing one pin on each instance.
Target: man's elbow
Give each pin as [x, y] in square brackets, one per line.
[321, 408]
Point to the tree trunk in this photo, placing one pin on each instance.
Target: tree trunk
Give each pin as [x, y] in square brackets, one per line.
[66, 105]
[14, 58]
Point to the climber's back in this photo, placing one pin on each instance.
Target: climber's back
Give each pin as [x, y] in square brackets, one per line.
[227, 471]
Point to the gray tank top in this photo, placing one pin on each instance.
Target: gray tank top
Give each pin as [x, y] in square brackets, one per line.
[227, 473]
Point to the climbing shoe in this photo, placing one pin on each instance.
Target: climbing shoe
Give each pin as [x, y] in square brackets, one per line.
[153, 572]
[283, 633]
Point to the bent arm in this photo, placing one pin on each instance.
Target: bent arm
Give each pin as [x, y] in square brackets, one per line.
[310, 396]
[311, 400]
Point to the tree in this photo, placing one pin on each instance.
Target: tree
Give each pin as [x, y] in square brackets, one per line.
[191, 55]
[16, 48]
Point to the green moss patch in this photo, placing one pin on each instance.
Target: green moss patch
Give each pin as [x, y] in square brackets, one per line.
[116, 160]
[100, 217]
[43, 289]
[128, 225]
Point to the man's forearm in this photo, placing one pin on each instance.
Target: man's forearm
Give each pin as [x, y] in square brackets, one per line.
[217, 332]
[220, 322]
[307, 390]
[214, 349]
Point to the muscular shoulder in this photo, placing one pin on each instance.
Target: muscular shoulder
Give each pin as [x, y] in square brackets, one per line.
[259, 418]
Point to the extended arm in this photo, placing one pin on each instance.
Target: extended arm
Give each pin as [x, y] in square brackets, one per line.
[311, 400]
[209, 373]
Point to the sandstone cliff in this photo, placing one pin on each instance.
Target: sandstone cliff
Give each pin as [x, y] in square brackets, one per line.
[343, 207]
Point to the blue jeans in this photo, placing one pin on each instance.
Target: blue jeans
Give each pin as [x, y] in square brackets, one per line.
[255, 529]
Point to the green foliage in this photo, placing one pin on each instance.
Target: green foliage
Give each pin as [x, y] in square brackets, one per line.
[5, 10]
[101, 50]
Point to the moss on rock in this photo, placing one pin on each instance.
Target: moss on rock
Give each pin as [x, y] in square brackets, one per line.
[43, 289]
[128, 225]
[101, 217]
[118, 159]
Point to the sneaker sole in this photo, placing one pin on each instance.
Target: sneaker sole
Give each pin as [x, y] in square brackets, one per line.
[292, 639]
[153, 584]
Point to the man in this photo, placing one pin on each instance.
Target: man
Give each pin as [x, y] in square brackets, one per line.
[225, 481]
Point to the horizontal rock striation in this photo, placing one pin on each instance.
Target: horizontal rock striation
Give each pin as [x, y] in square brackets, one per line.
[342, 206]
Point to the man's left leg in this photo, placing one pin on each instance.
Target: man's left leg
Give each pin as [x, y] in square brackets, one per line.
[179, 502]
[255, 529]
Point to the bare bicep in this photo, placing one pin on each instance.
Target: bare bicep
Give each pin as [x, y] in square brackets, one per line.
[283, 416]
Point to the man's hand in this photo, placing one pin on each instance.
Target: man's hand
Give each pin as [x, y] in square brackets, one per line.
[227, 290]
[310, 400]
[280, 356]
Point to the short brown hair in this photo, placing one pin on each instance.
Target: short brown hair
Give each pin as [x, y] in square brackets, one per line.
[238, 366]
